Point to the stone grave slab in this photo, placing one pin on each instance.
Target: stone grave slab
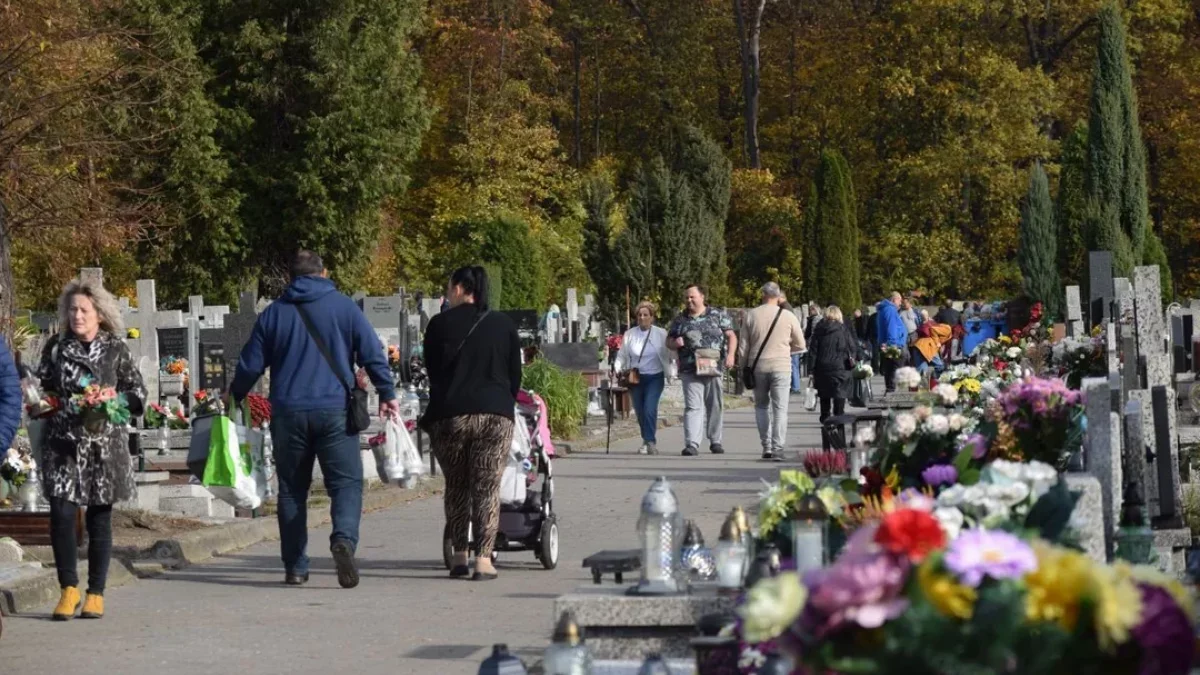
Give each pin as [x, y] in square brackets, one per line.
[1088, 517]
[1102, 459]
[1123, 292]
[1100, 287]
[1151, 327]
[384, 314]
[1074, 312]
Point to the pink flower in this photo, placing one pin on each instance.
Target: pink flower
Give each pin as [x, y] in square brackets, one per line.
[863, 588]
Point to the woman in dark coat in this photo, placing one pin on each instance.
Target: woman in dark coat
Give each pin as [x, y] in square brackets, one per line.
[832, 353]
[81, 468]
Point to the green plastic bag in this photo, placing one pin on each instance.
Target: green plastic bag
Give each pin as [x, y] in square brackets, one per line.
[224, 453]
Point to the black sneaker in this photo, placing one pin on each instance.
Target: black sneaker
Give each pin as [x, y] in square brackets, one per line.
[343, 557]
[768, 455]
[691, 451]
[651, 449]
[292, 579]
[716, 449]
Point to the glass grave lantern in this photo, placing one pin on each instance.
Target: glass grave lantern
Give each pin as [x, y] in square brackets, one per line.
[810, 534]
[732, 555]
[661, 528]
[567, 654]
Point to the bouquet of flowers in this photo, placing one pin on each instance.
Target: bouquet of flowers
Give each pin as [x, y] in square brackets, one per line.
[206, 404]
[1035, 419]
[892, 352]
[37, 405]
[157, 416]
[1077, 358]
[395, 360]
[260, 410]
[98, 406]
[967, 380]
[17, 466]
[915, 443]
[863, 371]
[903, 597]
[908, 377]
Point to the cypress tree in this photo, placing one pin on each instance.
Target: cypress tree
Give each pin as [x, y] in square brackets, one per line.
[810, 256]
[1038, 250]
[509, 244]
[1115, 183]
[831, 263]
[1070, 209]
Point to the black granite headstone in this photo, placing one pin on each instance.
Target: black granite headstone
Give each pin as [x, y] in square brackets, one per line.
[1179, 352]
[235, 334]
[213, 373]
[172, 343]
[1168, 517]
[1188, 332]
[526, 319]
[576, 356]
[1100, 287]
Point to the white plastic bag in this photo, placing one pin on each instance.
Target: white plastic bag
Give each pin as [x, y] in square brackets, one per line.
[233, 472]
[410, 459]
[389, 457]
[810, 397]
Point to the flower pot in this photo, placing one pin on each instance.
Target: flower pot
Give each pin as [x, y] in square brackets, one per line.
[29, 494]
[95, 421]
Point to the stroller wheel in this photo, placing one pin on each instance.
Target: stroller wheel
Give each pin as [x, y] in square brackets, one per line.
[548, 544]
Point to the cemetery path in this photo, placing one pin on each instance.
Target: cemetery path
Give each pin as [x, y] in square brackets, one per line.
[407, 616]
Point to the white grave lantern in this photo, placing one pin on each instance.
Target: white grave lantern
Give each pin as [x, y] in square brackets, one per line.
[810, 534]
[661, 530]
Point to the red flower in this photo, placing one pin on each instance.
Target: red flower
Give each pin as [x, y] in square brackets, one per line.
[1001, 365]
[873, 481]
[912, 533]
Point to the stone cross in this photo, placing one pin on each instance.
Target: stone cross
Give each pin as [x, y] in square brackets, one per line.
[1151, 330]
[1100, 287]
[1074, 312]
[92, 275]
[147, 320]
[208, 317]
[1102, 457]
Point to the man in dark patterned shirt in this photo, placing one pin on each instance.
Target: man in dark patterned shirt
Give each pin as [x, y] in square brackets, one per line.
[707, 345]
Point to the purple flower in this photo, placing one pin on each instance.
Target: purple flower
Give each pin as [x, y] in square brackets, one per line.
[978, 444]
[864, 588]
[980, 553]
[912, 498]
[1164, 634]
[940, 474]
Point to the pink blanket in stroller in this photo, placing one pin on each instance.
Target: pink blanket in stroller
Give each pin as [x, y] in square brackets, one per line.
[530, 399]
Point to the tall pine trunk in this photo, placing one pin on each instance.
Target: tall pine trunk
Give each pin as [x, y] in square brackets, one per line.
[749, 28]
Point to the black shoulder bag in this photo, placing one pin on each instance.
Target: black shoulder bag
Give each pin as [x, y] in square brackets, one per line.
[359, 418]
[748, 378]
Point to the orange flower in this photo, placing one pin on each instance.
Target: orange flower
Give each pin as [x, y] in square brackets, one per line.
[912, 533]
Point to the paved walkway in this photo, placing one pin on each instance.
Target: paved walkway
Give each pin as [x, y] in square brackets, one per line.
[407, 616]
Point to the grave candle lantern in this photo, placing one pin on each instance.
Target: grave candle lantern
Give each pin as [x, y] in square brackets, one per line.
[661, 530]
[731, 554]
[810, 534]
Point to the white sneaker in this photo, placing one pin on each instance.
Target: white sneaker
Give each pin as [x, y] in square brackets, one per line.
[644, 450]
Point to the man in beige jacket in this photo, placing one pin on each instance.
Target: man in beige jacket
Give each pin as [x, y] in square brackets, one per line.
[769, 336]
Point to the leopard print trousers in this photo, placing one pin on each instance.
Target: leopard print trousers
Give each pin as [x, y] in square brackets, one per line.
[472, 450]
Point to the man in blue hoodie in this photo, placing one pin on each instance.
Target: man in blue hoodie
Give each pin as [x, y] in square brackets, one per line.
[310, 407]
[891, 331]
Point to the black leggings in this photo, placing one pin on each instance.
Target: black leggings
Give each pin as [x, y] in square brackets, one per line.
[66, 553]
[839, 408]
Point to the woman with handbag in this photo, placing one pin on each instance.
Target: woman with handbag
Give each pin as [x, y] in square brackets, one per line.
[642, 364]
[85, 463]
[474, 361]
[833, 359]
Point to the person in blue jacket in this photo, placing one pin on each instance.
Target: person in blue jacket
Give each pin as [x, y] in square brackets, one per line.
[891, 331]
[10, 397]
[310, 405]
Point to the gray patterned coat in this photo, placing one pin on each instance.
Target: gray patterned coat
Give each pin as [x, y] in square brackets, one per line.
[75, 466]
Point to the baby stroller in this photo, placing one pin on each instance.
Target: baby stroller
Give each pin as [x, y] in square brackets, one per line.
[527, 518]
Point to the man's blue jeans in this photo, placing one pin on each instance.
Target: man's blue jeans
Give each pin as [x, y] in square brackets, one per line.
[300, 438]
[646, 394]
[796, 373]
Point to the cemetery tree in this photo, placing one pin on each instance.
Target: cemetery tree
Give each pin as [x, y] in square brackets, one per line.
[1115, 182]
[506, 242]
[321, 111]
[633, 257]
[1157, 255]
[760, 233]
[597, 249]
[1037, 250]
[701, 164]
[833, 235]
[1070, 208]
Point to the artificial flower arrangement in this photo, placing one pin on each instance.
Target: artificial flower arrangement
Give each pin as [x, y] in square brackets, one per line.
[18, 466]
[905, 597]
[968, 381]
[1076, 358]
[908, 378]
[98, 406]
[778, 502]
[206, 404]
[133, 333]
[863, 371]
[38, 405]
[914, 442]
[1035, 419]
[174, 365]
[260, 409]
[157, 416]
[892, 352]
[395, 360]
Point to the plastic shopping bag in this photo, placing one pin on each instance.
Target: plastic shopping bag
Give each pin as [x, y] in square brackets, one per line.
[810, 397]
[389, 461]
[410, 459]
[231, 473]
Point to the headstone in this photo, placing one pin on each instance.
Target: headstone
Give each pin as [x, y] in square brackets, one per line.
[1179, 350]
[1100, 287]
[1102, 457]
[1151, 331]
[207, 316]
[147, 320]
[1123, 291]
[92, 275]
[1135, 446]
[1087, 520]
[359, 296]
[576, 356]
[384, 315]
[572, 315]
[1165, 435]
[221, 347]
[1110, 347]
[1130, 376]
[1164, 452]
[1074, 312]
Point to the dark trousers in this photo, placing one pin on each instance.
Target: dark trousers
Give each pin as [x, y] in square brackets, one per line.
[646, 394]
[889, 368]
[66, 552]
[300, 439]
[839, 408]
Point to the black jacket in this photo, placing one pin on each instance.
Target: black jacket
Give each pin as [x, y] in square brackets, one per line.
[832, 355]
[948, 316]
[484, 377]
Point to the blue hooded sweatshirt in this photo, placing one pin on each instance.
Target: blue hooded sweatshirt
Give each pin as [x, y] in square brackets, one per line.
[301, 379]
[891, 328]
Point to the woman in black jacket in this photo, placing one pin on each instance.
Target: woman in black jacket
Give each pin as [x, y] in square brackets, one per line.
[832, 353]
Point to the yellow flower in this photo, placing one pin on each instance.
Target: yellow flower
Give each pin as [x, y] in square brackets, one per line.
[1118, 605]
[133, 334]
[972, 385]
[1056, 587]
[771, 606]
[893, 478]
[1005, 340]
[948, 596]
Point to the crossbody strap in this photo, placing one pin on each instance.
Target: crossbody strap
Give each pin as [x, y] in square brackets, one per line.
[763, 346]
[454, 357]
[320, 342]
[645, 344]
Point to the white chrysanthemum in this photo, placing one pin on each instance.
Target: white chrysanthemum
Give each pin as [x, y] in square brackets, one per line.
[905, 424]
[938, 424]
[1013, 352]
[958, 422]
[947, 393]
[952, 496]
[865, 436]
[951, 520]
[1010, 495]
[908, 377]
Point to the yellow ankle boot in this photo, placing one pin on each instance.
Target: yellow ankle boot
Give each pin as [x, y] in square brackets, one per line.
[93, 607]
[68, 604]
